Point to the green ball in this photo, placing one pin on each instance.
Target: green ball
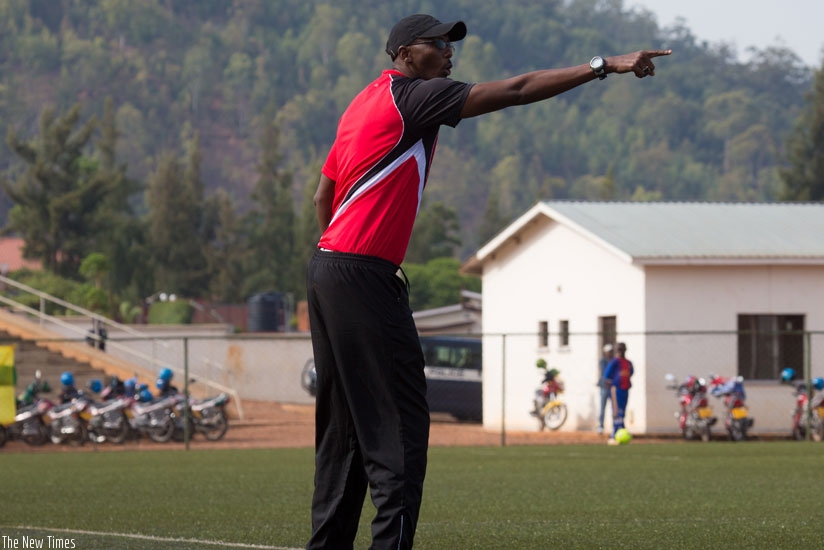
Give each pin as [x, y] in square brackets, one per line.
[622, 436]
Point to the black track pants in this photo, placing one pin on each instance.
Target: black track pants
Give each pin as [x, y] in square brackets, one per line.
[372, 420]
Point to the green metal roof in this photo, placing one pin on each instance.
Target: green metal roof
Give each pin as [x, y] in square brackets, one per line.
[680, 231]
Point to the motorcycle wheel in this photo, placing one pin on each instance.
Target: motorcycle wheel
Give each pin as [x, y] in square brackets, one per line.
[179, 434]
[555, 417]
[536, 412]
[39, 438]
[688, 431]
[817, 429]
[118, 436]
[215, 426]
[164, 432]
[737, 432]
[798, 433]
[79, 437]
[706, 434]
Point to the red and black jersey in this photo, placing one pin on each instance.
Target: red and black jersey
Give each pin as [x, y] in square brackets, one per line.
[381, 158]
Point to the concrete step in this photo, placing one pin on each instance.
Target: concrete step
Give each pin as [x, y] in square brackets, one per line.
[29, 358]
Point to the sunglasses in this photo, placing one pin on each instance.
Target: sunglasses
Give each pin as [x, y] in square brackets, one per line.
[439, 43]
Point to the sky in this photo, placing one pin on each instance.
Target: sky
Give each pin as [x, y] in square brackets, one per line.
[794, 24]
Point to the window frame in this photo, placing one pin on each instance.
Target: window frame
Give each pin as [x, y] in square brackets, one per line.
[768, 343]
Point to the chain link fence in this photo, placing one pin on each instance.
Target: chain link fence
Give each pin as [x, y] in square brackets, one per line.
[487, 379]
[511, 377]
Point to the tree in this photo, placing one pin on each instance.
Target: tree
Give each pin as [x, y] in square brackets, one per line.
[307, 232]
[435, 234]
[228, 253]
[438, 283]
[804, 178]
[57, 197]
[177, 254]
[122, 238]
[271, 222]
[494, 219]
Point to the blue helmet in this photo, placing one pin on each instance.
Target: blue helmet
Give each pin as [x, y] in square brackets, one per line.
[67, 379]
[166, 374]
[145, 395]
[787, 374]
[95, 385]
[818, 383]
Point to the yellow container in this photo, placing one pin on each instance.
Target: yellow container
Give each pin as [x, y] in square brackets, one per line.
[8, 377]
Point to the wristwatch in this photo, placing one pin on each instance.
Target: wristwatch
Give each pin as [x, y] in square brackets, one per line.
[598, 66]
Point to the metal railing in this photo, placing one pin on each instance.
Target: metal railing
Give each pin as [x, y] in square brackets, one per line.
[152, 360]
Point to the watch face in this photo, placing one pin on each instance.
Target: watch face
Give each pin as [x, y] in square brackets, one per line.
[597, 63]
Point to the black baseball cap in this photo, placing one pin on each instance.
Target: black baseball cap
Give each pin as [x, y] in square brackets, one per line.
[412, 27]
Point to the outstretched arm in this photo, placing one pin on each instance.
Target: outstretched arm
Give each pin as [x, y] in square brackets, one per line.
[539, 85]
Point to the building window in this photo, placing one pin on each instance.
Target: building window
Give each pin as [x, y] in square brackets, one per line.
[607, 329]
[769, 343]
[563, 334]
[543, 334]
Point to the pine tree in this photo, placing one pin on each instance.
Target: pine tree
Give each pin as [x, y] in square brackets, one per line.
[228, 253]
[271, 223]
[57, 197]
[174, 216]
[122, 238]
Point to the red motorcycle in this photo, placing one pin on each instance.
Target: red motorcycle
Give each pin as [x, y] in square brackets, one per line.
[802, 414]
[736, 420]
[695, 417]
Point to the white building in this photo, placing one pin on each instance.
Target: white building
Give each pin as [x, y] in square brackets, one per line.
[675, 281]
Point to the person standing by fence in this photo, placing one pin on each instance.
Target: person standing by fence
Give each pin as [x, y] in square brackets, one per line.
[606, 357]
[617, 377]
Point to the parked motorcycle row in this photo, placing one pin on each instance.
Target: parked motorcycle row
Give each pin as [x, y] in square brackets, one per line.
[804, 417]
[120, 411]
[696, 417]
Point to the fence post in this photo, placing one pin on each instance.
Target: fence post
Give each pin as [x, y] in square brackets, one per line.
[503, 390]
[186, 432]
[808, 382]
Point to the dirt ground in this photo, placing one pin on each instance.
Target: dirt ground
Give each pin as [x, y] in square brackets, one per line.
[268, 425]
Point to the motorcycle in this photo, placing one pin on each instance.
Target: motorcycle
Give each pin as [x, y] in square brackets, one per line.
[309, 378]
[803, 416]
[695, 419]
[66, 424]
[106, 420]
[206, 416]
[736, 419]
[547, 407]
[28, 424]
[153, 417]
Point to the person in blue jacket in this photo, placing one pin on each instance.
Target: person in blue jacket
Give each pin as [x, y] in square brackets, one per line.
[606, 357]
[618, 376]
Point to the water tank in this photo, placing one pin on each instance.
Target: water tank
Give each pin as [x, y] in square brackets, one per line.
[267, 312]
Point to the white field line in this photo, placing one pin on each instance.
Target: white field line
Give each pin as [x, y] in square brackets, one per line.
[147, 537]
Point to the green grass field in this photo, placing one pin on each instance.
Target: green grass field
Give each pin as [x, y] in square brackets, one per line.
[715, 495]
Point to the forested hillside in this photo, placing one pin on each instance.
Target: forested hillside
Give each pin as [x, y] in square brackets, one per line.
[217, 73]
